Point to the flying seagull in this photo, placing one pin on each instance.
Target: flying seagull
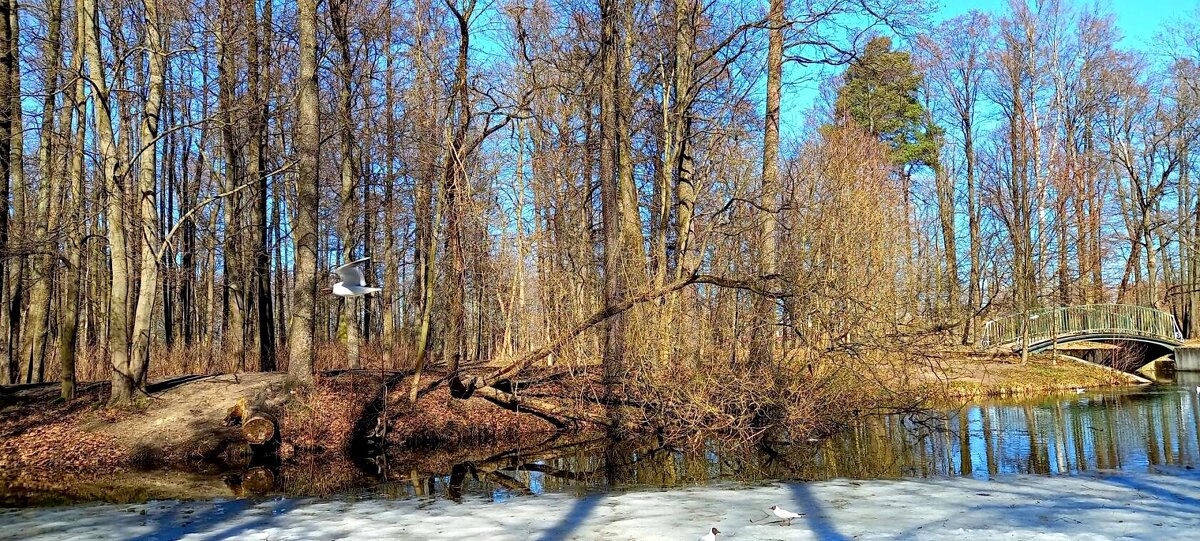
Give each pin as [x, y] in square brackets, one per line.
[787, 516]
[353, 283]
[711, 535]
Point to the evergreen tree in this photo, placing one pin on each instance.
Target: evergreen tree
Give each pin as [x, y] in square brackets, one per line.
[880, 94]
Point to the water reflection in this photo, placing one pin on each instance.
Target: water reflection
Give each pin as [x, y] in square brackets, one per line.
[1134, 429]
[1126, 429]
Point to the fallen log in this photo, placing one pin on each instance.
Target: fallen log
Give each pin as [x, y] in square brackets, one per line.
[258, 426]
[555, 414]
[464, 387]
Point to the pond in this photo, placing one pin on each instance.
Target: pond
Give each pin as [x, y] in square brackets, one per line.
[1098, 464]
[1126, 429]
[1131, 429]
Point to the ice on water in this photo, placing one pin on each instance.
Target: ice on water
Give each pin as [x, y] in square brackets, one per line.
[1160, 505]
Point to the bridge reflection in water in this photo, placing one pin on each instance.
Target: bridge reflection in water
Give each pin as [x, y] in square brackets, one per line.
[1129, 429]
[1077, 433]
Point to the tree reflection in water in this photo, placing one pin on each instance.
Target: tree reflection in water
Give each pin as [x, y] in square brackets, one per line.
[1131, 429]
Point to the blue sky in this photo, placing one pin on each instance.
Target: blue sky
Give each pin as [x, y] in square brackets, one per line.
[1139, 20]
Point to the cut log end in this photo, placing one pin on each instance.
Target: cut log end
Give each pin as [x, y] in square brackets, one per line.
[259, 429]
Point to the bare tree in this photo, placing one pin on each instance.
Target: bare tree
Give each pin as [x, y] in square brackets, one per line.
[300, 341]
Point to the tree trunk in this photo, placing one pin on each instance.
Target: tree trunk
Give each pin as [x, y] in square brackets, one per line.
[679, 161]
[234, 275]
[975, 294]
[454, 181]
[124, 381]
[348, 215]
[300, 339]
[614, 330]
[148, 283]
[20, 220]
[391, 215]
[42, 265]
[762, 338]
[7, 90]
[257, 56]
[945, 202]
[73, 245]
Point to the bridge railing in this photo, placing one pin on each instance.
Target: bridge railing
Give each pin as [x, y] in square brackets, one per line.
[1045, 324]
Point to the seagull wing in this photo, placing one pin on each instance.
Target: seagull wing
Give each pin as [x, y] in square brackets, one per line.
[351, 273]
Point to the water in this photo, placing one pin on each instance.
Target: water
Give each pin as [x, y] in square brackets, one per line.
[1127, 429]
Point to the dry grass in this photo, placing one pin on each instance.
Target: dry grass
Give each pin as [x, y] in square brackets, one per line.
[963, 373]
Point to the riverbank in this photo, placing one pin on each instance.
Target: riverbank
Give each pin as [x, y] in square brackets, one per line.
[82, 447]
[1159, 504]
[960, 373]
[46, 444]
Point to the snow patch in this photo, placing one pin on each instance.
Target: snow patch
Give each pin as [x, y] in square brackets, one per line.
[1164, 505]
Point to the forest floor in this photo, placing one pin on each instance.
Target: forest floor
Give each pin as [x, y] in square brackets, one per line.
[47, 443]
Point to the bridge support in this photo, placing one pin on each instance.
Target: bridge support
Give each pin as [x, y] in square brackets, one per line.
[1187, 358]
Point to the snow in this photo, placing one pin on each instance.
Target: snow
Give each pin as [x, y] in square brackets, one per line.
[1162, 504]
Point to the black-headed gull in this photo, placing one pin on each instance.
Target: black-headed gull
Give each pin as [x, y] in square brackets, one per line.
[353, 283]
[711, 535]
[787, 516]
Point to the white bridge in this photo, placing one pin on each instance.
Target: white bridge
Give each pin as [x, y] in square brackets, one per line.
[1045, 327]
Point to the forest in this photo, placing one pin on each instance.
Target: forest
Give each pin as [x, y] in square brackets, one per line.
[708, 207]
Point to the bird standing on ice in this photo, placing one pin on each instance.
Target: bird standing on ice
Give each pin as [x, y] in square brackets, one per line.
[787, 516]
[711, 535]
[353, 283]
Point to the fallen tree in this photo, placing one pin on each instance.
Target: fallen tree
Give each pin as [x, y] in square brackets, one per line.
[491, 386]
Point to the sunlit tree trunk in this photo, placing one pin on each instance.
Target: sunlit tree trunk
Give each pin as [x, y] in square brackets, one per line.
[457, 198]
[147, 201]
[234, 277]
[679, 161]
[124, 380]
[975, 293]
[614, 333]
[300, 339]
[762, 340]
[41, 264]
[945, 208]
[391, 211]
[73, 244]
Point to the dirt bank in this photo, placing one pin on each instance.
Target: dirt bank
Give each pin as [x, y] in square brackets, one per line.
[182, 424]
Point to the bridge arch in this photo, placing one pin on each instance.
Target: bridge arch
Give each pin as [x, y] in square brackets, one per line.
[1092, 322]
